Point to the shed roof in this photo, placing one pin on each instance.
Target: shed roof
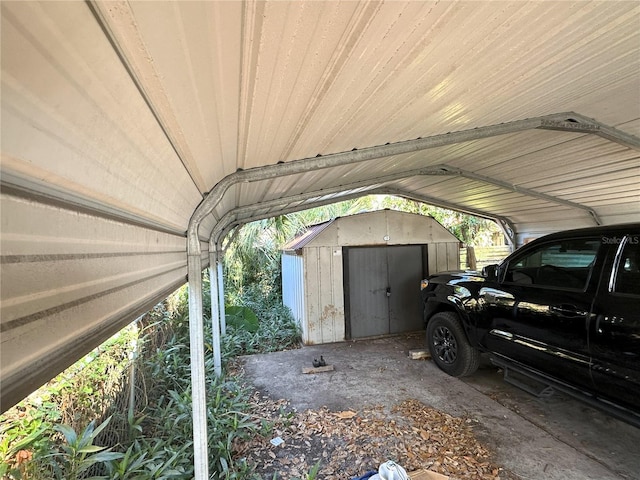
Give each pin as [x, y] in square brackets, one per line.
[307, 236]
[382, 227]
[126, 125]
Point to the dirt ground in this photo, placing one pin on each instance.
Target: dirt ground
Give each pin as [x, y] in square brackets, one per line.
[379, 404]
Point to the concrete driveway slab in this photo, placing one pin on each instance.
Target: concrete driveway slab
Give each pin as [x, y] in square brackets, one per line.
[557, 438]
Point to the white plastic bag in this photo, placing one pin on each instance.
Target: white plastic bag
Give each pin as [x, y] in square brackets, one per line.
[390, 470]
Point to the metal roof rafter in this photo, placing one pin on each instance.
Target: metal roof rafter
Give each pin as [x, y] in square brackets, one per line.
[286, 211]
[354, 156]
[568, 121]
[233, 215]
[504, 223]
[525, 191]
[382, 190]
[581, 124]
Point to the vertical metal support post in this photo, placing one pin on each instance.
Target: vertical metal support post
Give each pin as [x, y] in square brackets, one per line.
[215, 312]
[509, 231]
[199, 393]
[223, 318]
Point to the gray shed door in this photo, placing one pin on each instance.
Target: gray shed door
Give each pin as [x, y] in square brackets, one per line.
[383, 289]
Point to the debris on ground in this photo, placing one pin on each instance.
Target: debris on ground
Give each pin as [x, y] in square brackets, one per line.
[350, 443]
[419, 354]
[324, 368]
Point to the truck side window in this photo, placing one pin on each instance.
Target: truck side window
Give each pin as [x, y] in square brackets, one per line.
[563, 264]
[627, 274]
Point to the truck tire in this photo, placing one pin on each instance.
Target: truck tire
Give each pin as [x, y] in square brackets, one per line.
[449, 346]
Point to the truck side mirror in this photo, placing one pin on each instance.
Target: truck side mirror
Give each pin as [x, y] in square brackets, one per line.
[490, 272]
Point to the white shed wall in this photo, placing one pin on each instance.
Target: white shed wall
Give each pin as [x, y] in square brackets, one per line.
[384, 227]
[324, 295]
[443, 257]
[313, 283]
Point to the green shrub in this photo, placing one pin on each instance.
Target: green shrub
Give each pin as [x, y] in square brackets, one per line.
[39, 439]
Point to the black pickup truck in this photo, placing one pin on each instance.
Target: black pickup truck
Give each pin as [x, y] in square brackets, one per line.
[563, 310]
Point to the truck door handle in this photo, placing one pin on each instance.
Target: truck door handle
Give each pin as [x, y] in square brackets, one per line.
[567, 310]
[388, 291]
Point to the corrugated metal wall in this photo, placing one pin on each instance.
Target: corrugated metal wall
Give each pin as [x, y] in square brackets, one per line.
[443, 256]
[71, 279]
[293, 287]
[323, 295]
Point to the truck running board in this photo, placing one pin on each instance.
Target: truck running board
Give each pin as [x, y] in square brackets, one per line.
[524, 380]
[531, 385]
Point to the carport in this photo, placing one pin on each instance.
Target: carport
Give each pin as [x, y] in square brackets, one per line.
[137, 135]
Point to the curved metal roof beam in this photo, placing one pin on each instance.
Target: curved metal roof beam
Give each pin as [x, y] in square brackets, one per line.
[504, 223]
[581, 124]
[232, 216]
[298, 208]
[568, 121]
[525, 191]
[222, 233]
[374, 191]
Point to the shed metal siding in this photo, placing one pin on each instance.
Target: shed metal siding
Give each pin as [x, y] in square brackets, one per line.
[323, 285]
[293, 287]
[323, 294]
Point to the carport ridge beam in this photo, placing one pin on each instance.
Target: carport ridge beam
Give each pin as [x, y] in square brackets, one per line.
[356, 156]
[504, 223]
[233, 216]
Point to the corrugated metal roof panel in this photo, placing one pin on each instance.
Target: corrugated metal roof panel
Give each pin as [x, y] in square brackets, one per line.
[138, 114]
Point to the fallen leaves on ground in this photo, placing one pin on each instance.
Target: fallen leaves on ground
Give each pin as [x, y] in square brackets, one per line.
[348, 443]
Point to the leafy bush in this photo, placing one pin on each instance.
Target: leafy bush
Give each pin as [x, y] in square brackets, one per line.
[276, 329]
[39, 438]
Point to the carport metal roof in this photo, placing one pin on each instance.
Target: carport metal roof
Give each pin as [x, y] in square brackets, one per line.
[126, 125]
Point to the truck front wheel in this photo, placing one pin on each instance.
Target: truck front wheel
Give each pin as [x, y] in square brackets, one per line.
[449, 346]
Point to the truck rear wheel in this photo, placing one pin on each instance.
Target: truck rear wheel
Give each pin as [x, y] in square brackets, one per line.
[449, 346]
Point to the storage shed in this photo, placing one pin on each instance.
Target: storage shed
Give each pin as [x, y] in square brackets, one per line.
[359, 276]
